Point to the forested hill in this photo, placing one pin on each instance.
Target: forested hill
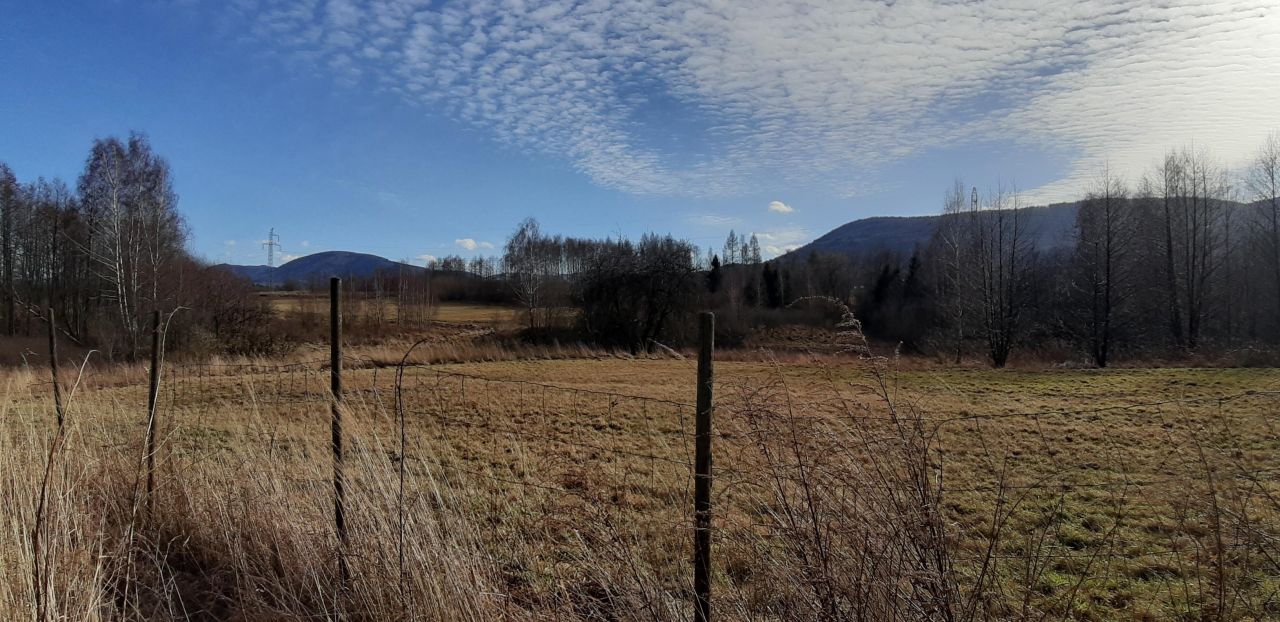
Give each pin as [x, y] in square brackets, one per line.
[1050, 225]
[319, 266]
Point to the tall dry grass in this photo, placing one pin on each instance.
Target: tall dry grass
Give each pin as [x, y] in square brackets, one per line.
[234, 533]
[242, 530]
[829, 505]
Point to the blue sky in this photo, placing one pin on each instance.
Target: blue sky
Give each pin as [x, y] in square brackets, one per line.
[410, 128]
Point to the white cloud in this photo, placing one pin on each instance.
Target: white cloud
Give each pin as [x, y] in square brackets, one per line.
[425, 258]
[305, 244]
[778, 207]
[775, 243]
[820, 90]
[229, 243]
[471, 244]
[714, 220]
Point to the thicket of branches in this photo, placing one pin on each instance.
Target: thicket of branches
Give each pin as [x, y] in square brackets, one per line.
[625, 294]
[107, 254]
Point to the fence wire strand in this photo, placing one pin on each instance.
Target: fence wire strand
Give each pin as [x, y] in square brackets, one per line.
[596, 446]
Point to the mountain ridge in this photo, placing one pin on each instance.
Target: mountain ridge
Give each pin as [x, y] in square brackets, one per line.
[1050, 224]
[322, 265]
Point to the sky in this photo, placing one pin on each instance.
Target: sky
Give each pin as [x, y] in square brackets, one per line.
[420, 128]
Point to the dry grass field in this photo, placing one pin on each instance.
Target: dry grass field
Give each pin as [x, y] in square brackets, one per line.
[492, 316]
[561, 489]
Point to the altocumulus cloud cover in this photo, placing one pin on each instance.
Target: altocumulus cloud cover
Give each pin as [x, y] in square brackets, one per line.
[817, 92]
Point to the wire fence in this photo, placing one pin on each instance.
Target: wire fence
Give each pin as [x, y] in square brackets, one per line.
[1164, 505]
[562, 465]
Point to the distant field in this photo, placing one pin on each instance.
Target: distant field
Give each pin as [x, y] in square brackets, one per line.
[494, 315]
[1129, 494]
[497, 316]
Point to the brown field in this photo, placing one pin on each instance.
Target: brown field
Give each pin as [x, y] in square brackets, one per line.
[561, 489]
[493, 316]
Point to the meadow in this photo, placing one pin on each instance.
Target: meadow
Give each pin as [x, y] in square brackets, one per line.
[285, 304]
[846, 488]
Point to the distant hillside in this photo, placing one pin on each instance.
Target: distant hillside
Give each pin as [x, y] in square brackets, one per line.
[318, 266]
[257, 274]
[1051, 225]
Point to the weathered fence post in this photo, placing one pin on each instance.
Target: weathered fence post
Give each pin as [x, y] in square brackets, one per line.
[335, 406]
[702, 468]
[53, 368]
[37, 530]
[153, 393]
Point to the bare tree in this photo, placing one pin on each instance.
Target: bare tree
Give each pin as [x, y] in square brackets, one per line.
[9, 204]
[1003, 252]
[1263, 181]
[1194, 192]
[731, 249]
[527, 266]
[951, 242]
[102, 264]
[135, 229]
[1104, 236]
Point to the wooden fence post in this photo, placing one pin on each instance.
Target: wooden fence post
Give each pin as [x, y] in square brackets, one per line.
[335, 406]
[702, 468]
[37, 530]
[53, 368]
[153, 394]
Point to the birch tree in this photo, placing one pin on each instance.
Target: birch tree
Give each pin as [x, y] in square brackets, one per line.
[526, 266]
[134, 229]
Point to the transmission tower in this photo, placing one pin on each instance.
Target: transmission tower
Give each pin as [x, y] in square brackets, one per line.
[271, 244]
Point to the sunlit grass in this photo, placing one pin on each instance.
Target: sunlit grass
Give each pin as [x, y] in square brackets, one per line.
[528, 500]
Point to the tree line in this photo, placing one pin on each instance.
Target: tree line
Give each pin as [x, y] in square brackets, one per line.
[616, 292]
[1184, 259]
[106, 254]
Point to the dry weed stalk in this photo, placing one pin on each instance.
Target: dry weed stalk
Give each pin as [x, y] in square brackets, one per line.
[850, 500]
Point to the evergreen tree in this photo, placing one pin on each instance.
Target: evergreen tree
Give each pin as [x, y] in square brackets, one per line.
[772, 286]
[714, 276]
